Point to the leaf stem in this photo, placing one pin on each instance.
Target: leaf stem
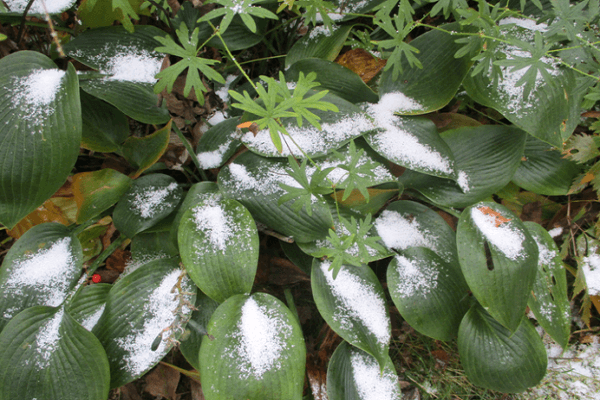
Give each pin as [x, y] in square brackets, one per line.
[191, 151]
[216, 32]
[105, 254]
[289, 298]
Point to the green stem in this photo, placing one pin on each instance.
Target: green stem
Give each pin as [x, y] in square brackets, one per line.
[291, 305]
[191, 151]
[105, 254]
[216, 32]
[76, 230]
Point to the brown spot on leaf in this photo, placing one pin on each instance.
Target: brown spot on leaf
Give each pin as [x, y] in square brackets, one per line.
[363, 63]
[499, 218]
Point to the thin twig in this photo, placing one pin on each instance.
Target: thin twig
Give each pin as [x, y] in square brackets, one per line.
[161, 8]
[22, 27]
[52, 31]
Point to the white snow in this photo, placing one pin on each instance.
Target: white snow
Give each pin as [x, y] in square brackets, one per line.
[399, 232]
[217, 118]
[309, 138]
[47, 339]
[415, 279]
[396, 142]
[464, 182]
[150, 201]
[34, 93]
[498, 231]
[212, 159]
[321, 31]
[262, 334]
[591, 271]
[216, 223]
[223, 93]
[358, 301]
[133, 66]
[524, 23]
[48, 272]
[52, 6]
[371, 384]
[93, 318]
[159, 311]
[555, 232]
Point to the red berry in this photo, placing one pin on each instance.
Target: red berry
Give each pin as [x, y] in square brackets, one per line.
[96, 278]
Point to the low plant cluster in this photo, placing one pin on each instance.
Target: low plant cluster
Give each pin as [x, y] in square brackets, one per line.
[350, 166]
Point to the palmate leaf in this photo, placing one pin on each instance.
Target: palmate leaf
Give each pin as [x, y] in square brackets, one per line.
[187, 51]
[398, 31]
[128, 13]
[244, 8]
[359, 173]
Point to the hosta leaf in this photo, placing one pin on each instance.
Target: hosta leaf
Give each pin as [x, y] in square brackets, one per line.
[254, 181]
[485, 159]
[544, 170]
[339, 80]
[218, 144]
[258, 351]
[88, 304]
[198, 192]
[143, 152]
[97, 191]
[353, 374]
[236, 37]
[40, 131]
[431, 294]
[353, 305]
[152, 301]
[337, 129]
[104, 127]
[127, 64]
[38, 7]
[219, 247]
[547, 123]
[420, 90]
[498, 258]
[39, 269]
[412, 142]
[319, 43]
[405, 224]
[549, 300]
[148, 200]
[48, 355]
[197, 329]
[496, 358]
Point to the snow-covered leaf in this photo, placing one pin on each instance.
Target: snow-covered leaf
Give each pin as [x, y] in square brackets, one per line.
[549, 300]
[148, 200]
[356, 375]
[88, 304]
[430, 293]
[499, 259]
[322, 42]
[258, 351]
[353, 305]
[46, 354]
[39, 270]
[218, 240]
[142, 318]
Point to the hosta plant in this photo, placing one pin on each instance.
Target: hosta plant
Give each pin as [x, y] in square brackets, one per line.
[355, 175]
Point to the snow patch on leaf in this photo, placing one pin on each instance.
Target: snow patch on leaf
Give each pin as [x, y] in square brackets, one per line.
[415, 279]
[33, 94]
[371, 383]
[499, 232]
[151, 200]
[46, 341]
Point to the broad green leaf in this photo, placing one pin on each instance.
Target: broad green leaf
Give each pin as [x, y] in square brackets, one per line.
[143, 152]
[548, 123]
[197, 329]
[431, 294]
[254, 181]
[339, 80]
[218, 144]
[320, 42]
[258, 351]
[423, 90]
[297, 256]
[544, 170]
[406, 224]
[88, 304]
[219, 247]
[46, 354]
[485, 159]
[353, 305]
[40, 131]
[337, 129]
[198, 192]
[127, 64]
[104, 127]
[353, 374]
[153, 245]
[148, 200]
[39, 269]
[499, 260]
[237, 36]
[378, 197]
[151, 302]
[549, 300]
[97, 191]
[496, 358]
[412, 142]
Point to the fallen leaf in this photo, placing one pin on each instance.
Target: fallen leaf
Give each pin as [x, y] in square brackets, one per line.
[361, 62]
[499, 219]
[162, 381]
[118, 260]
